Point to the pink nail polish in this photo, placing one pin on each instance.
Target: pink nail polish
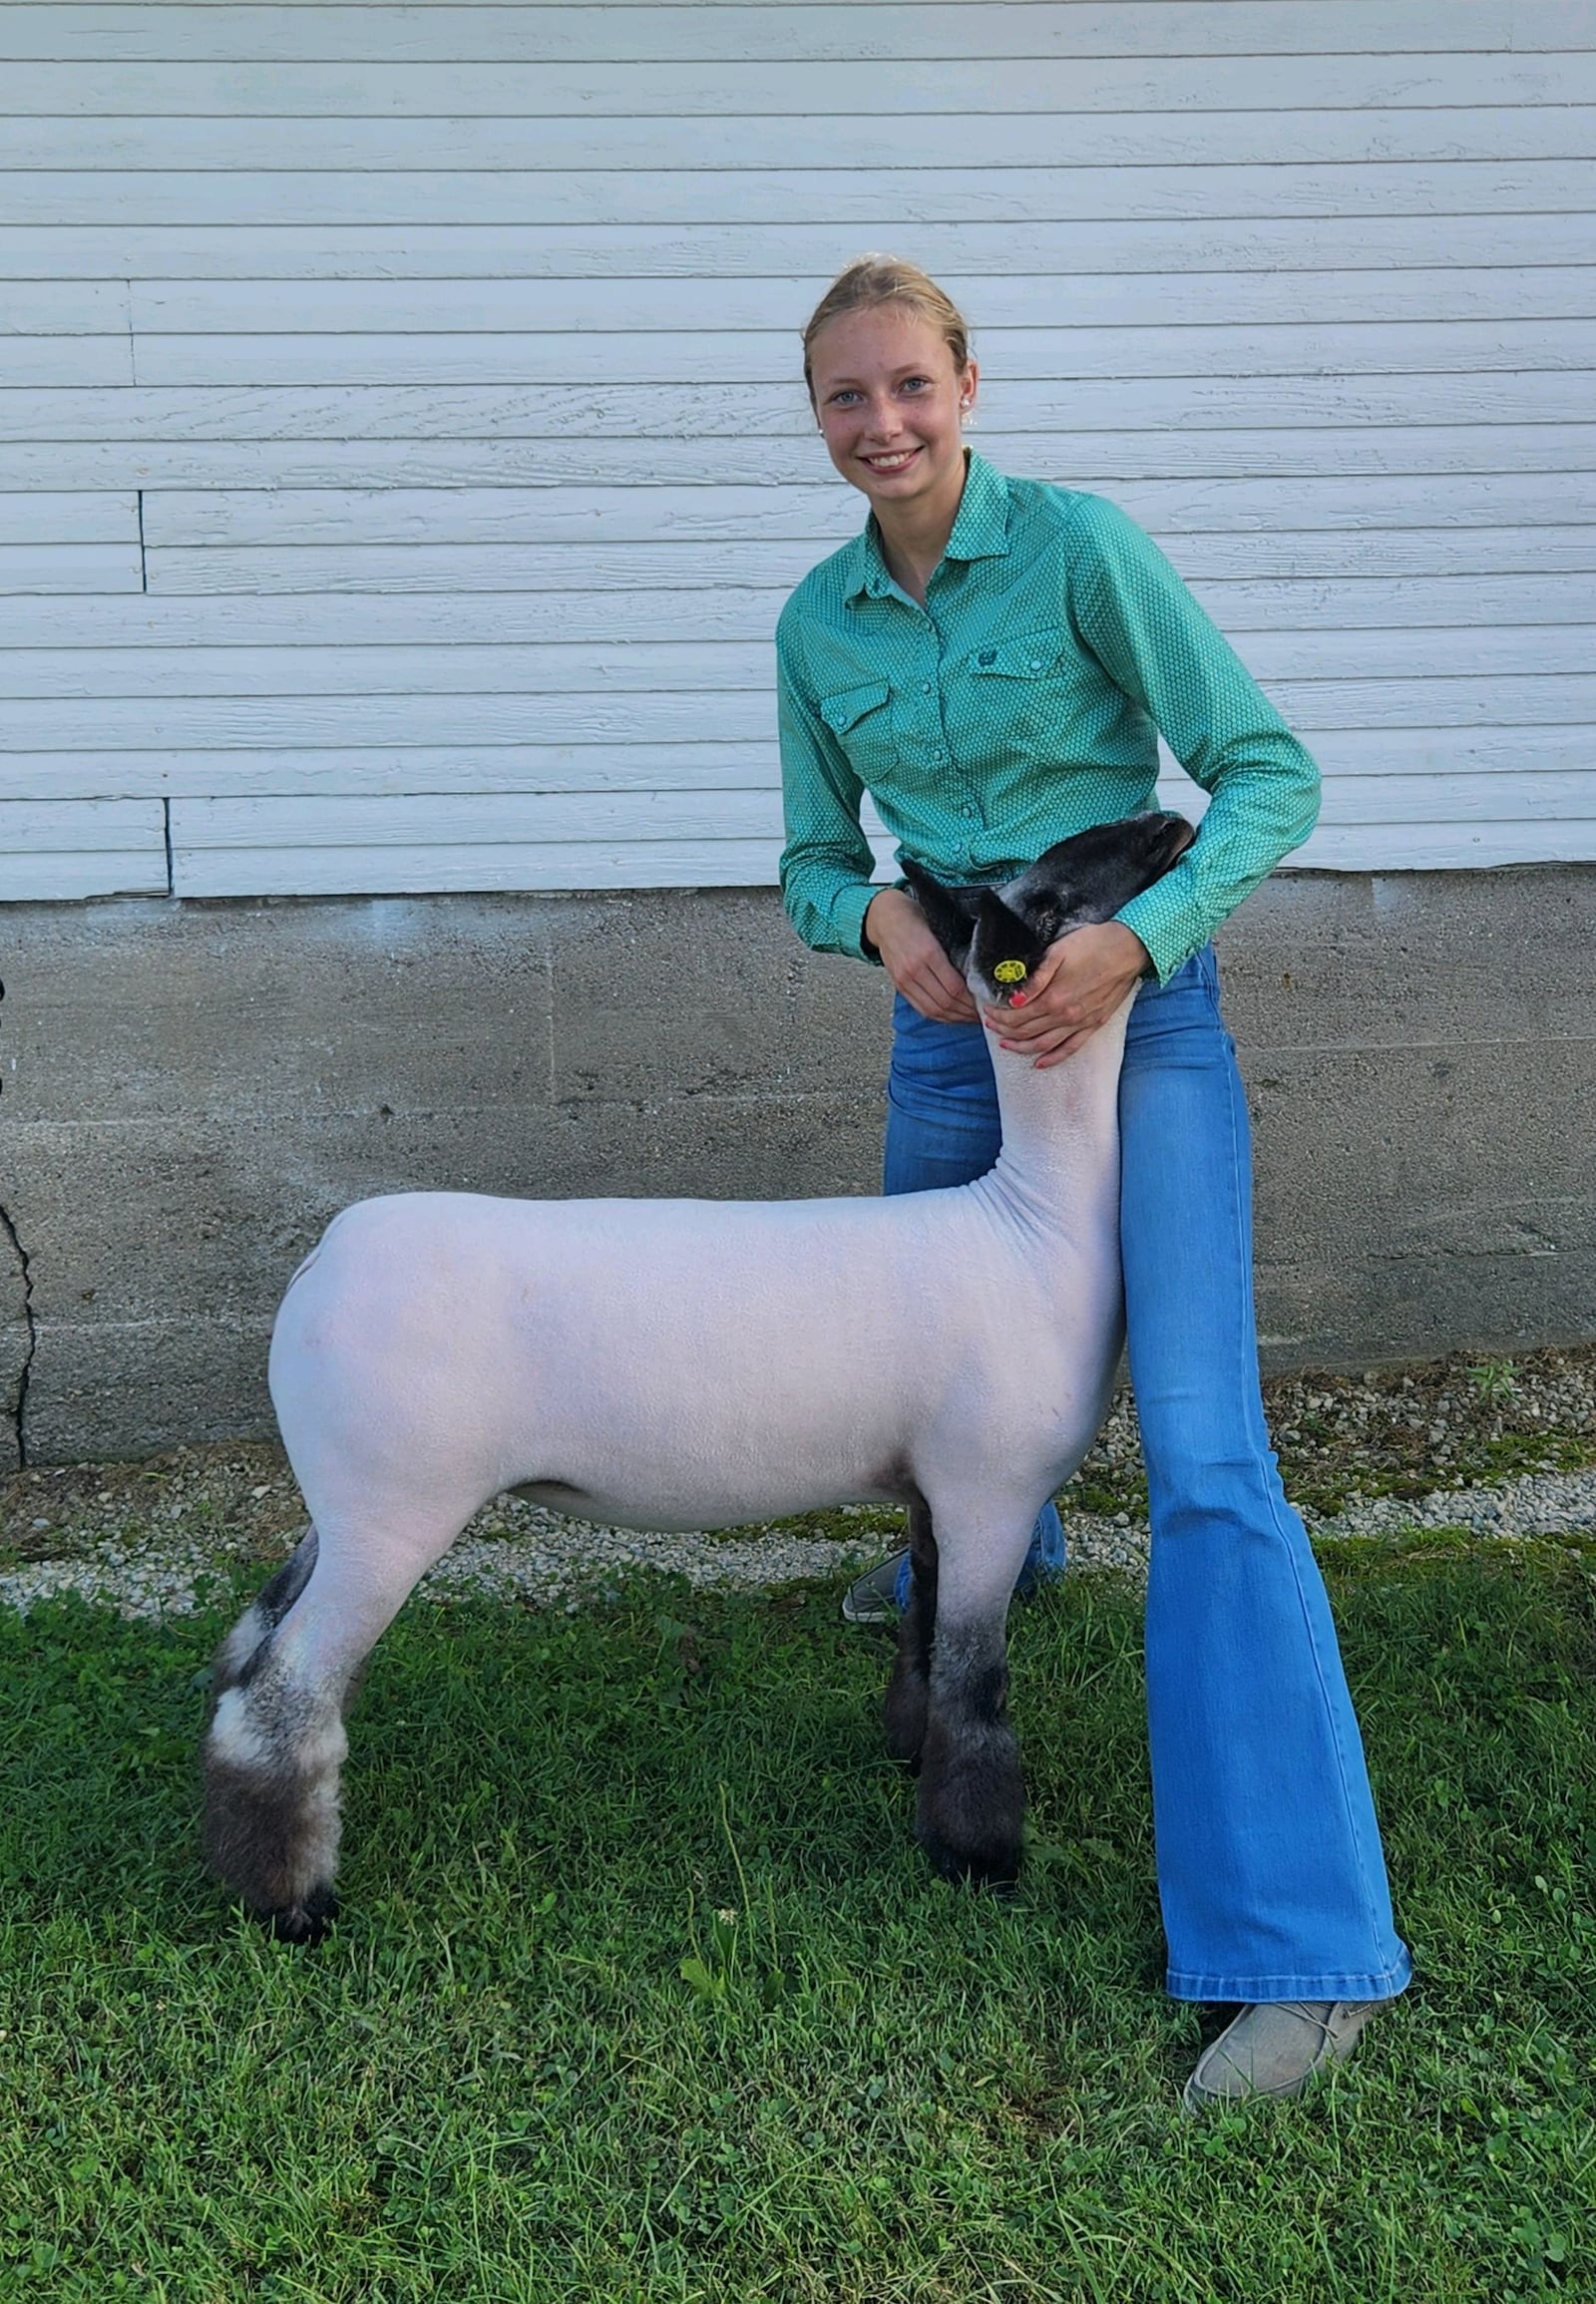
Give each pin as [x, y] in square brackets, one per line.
[1018, 1001]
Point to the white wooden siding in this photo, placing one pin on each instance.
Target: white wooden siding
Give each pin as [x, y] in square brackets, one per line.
[400, 432]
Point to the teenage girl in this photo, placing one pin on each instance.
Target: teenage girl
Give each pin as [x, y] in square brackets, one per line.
[991, 659]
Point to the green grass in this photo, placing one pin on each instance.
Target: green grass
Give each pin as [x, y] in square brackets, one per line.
[644, 1994]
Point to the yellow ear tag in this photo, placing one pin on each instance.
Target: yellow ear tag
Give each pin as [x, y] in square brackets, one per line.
[1010, 972]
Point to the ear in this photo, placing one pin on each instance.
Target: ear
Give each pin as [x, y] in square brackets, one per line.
[950, 911]
[1005, 948]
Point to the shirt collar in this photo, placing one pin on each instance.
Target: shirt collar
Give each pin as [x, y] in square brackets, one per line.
[980, 531]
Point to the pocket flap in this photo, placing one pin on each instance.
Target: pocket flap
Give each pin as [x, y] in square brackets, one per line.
[849, 705]
[1026, 658]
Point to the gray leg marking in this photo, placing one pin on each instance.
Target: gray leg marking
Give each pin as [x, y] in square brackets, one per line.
[263, 1617]
[972, 1799]
[909, 1690]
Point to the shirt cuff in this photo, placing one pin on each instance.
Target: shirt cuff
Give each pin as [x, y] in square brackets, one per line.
[1168, 926]
[847, 919]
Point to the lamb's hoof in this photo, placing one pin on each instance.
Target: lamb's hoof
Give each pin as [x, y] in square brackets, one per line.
[993, 1868]
[307, 1922]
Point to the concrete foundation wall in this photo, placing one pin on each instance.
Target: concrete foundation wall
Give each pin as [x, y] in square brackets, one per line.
[191, 1092]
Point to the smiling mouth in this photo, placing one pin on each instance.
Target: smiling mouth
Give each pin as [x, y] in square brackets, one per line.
[897, 462]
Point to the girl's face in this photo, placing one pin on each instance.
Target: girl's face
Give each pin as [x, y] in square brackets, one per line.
[888, 398]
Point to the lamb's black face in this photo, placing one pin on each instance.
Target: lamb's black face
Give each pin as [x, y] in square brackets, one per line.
[997, 937]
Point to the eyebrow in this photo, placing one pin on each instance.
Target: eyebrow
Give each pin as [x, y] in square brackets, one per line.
[846, 383]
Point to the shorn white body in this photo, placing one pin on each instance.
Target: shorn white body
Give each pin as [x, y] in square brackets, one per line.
[689, 1363]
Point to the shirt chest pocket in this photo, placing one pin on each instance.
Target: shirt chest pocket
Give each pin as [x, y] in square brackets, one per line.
[1024, 691]
[861, 720]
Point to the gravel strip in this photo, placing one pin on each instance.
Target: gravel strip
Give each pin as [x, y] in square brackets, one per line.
[1500, 1448]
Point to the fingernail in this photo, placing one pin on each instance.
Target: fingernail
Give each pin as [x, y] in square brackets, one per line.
[1018, 1001]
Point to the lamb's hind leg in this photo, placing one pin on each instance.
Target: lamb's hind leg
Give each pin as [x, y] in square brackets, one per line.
[972, 1796]
[273, 1754]
[277, 1743]
[909, 1690]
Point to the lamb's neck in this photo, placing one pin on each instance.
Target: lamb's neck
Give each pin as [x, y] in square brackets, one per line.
[1061, 1152]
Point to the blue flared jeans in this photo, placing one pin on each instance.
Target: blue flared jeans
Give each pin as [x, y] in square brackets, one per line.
[1270, 1871]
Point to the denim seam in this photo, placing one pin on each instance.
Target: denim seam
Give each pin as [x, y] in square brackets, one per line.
[1370, 1984]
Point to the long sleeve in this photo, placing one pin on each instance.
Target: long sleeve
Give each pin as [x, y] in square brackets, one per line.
[1135, 614]
[827, 863]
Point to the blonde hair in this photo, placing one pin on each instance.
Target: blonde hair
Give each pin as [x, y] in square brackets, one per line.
[872, 280]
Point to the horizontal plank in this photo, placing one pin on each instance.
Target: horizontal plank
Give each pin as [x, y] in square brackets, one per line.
[268, 194]
[1438, 755]
[1018, 303]
[70, 567]
[698, 610]
[140, 31]
[642, 664]
[825, 512]
[71, 360]
[753, 357]
[660, 88]
[1074, 407]
[77, 848]
[1521, 799]
[1430, 846]
[783, 251]
[1110, 459]
[679, 716]
[63, 308]
[864, 140]
[48, 516]
[199, 869]
[1325, 553]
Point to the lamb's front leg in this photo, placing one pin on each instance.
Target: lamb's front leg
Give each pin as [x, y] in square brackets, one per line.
[972, 1796]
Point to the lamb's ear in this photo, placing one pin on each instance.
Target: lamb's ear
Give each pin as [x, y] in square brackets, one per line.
[950, 911]
[1006, 948]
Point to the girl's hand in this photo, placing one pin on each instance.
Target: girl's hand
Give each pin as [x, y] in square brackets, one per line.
[1078, 985]
[915, 960]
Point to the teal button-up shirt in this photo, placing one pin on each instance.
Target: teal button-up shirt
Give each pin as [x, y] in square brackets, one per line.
[1020, 705]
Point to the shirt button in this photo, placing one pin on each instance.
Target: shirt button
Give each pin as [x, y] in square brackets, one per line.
[1034, 665]
[925, 687]
[988, 656]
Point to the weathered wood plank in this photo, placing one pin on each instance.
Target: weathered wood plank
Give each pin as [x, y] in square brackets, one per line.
[71, 360]
[70, 567]
[1018, 303]
[672, 89]
[995, 190]
[447, 30]
[864, 140]
[708, 252]
[63, 306]
[48, 516]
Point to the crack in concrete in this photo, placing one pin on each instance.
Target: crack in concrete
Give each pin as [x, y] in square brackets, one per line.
[17, 1409]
